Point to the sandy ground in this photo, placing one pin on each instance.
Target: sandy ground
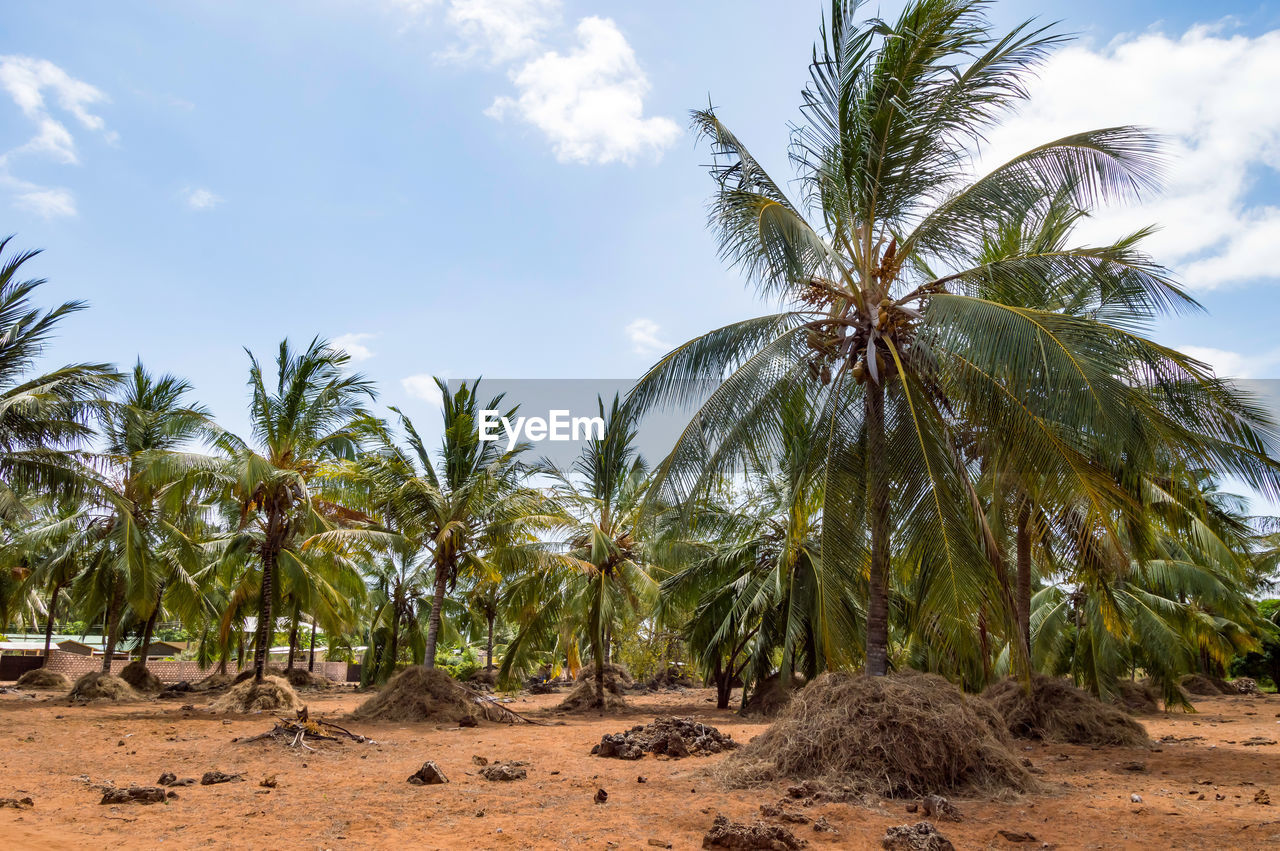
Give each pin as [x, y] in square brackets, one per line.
[1197, 792]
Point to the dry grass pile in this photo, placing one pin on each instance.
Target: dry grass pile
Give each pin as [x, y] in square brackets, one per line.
[271, 694]
[770, 696]
[43, 678]
[100, 686]
[1137, 698]
[137, 675]
[271, 671]
[214, 682]
[302, 678]
[1056, 711]
[419, 694]
[1206, 686]
[484, 678]
[583, 696]
[611, 672]
[670, 736]
[905, 735]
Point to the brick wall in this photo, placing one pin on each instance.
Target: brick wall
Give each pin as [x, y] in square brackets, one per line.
[74, 665]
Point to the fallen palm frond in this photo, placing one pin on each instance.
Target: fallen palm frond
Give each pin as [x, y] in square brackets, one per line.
[295, 732]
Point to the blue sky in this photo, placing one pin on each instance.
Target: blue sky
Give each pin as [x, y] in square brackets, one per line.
[508, 187]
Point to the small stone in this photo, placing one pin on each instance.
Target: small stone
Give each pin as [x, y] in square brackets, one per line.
[1135, 798]
[601, 796]
[1011, 836]
[1261, 797]
[938, 807]
[921, 836]
[134, 794]
[479, 760]
[209, 778]
[659, 843]
[642, 779]
[268, 782]
[503, 772]
[428, 775]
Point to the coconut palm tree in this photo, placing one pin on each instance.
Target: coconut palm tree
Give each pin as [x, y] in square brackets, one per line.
[400, 587]
[892, 332]
[752, 576]
[602, 575]
[147, 513]
[312, 418]
[41, 416]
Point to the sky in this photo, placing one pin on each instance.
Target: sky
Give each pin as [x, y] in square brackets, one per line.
[510, 188]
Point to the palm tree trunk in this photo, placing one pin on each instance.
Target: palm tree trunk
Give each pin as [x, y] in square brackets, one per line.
[311, 656]
[112, 622]
[266, 628]
[724, 684]
[149, 630]
[48, 627]
[599, 668]
[1023, 580]
[488, 649]
[433, 622]
[394, 650]
[293, 640]
[877, 662]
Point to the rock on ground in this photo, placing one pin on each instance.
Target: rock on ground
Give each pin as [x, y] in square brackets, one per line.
[503, 772]
[750, 837]
[921, 836]
[428, 775]
[669, 735]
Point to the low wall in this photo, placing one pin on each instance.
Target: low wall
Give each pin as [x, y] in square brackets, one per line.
[75, 665]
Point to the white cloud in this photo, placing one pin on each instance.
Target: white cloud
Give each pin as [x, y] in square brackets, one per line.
[46, 203]
[1213, 96]
[643, 334]
[589, 102]
[415, 8]
[423, 387]
[1228, 364]
[353, 345]
[500, 30]
[200, 199]
[27, 81]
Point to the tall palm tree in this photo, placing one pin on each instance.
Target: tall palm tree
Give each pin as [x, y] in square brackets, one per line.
[893, 334]
[41, 416]
[462, 507]
[602, 575]
[751, 571]
[145, 516]
[401, 586]
[313, 416]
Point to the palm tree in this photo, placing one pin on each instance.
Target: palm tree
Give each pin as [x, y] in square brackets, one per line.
[145, 517]
[901, 359]
[463, 508]
[400, 584]
[55, 542]
[41, 416]
[602, 576]
[313, 416]
[752, 574]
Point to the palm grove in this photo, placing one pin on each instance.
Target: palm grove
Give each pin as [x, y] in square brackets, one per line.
[952, 447]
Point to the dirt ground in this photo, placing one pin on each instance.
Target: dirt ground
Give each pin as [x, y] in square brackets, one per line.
[1197, 787]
